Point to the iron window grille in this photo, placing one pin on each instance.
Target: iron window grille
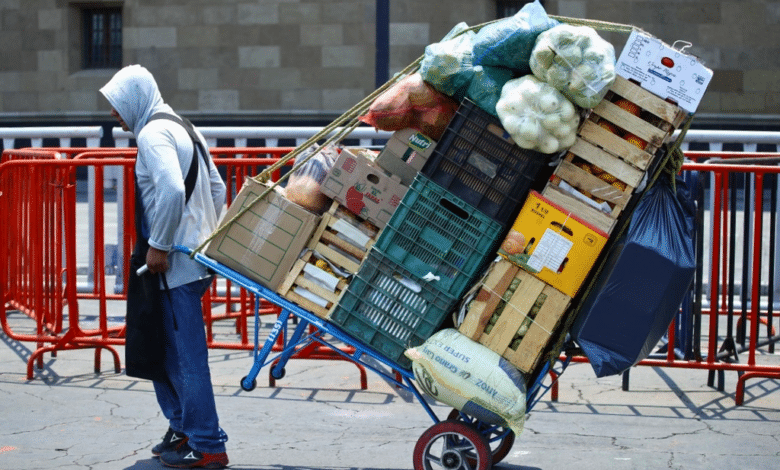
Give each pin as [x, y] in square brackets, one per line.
[102, 37]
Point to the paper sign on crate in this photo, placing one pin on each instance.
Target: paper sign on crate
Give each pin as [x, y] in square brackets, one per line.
[663, 70]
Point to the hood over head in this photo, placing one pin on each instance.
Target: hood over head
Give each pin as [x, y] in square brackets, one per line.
[133, 92]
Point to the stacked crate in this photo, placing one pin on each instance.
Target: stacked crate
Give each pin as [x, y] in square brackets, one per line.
[614, 150]
[334, 252]
[516, 309]
[441, 237]
[514, 314]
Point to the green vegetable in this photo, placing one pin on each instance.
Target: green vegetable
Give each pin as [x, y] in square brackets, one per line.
[576, 61]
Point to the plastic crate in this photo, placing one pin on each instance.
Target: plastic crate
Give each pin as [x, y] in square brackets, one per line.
[477, 161]
[433, 232]
[388, 310]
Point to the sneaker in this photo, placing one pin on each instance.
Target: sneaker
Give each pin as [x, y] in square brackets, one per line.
[187, 457]
[171, 441]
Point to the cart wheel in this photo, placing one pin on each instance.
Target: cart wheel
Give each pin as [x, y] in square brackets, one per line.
[249, 388]
[452, 445]
[278, 374]
[500, 439]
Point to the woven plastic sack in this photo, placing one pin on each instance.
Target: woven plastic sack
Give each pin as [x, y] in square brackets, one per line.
[509, 41]
[643, 282]
[486, 85]
[471, 378]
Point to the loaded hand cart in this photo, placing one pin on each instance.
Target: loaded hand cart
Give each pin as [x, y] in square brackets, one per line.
[461, 262]
[457, 442]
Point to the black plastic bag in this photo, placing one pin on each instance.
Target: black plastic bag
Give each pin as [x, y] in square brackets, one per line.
[144, 336]
[644, 280]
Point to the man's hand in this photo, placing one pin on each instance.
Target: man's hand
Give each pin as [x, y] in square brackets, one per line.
[157, 260]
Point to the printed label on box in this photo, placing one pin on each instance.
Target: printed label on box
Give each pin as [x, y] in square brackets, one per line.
[550, 252]
[666, 72]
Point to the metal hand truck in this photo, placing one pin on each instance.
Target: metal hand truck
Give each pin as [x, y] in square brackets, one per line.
[459, 442]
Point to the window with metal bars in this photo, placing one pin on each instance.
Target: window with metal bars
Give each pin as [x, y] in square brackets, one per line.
[102, 28]
[505, 8]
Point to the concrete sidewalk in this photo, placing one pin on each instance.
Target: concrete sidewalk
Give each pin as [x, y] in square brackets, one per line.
[317, 417]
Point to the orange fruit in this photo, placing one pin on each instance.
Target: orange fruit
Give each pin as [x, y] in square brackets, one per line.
[607, 177]
[609, 126]
[617, 184]
[629, 106]
[636, 141]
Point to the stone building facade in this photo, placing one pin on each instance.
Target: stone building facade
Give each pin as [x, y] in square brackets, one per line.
[264, 58]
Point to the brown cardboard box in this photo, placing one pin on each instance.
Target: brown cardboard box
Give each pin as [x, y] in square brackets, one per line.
[265, 241]
[363, 187]
[405, 154]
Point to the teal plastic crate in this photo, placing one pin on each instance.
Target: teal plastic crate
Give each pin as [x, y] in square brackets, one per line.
[386, 309]
[438, 236]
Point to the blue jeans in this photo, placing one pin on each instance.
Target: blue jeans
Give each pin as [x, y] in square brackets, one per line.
[187, 397]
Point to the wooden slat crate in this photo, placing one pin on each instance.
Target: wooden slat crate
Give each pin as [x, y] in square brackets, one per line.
[615, 146]
[514, 314]
[328, 242]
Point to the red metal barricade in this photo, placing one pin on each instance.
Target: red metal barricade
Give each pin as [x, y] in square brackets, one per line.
[41, 240]
[39, 268]
[38, 209]
[714, 347]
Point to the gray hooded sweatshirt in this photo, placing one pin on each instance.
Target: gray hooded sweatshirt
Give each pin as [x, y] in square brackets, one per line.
[164, 158]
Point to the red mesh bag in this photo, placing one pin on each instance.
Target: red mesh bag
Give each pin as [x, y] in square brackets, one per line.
[412, 103]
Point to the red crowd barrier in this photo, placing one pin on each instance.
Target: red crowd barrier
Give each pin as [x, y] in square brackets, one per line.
[38, 274]
[39, 269]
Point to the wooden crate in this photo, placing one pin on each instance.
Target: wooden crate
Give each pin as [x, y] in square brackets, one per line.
[615, 146]
[510, 299]
[328, 242]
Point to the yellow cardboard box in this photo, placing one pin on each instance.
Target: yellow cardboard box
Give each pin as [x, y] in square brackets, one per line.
[553, 244]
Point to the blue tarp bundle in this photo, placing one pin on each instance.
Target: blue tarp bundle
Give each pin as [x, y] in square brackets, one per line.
[645, 277]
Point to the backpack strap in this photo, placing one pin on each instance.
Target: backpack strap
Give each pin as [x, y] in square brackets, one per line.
[197, 147]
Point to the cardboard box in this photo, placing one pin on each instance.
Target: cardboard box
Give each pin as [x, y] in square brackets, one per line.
[334, 253]
[667, 72]
[363, 187]
[553, 244]
[264, 243]
[514, 314]
[405, 154]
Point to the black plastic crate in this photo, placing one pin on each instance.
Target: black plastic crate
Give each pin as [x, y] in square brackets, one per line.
[477, 161]
[435, 234]
[389, 310]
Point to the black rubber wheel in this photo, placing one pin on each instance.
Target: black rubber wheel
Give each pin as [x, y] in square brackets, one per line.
[451, 445]
[499, 438]
[278, 375]
[251, 387]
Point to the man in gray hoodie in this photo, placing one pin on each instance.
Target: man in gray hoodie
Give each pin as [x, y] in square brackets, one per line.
[175, 211]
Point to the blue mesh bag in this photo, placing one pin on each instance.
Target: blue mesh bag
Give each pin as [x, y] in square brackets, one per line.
[509, 42]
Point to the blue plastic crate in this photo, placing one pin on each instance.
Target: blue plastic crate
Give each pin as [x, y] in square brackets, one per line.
[387, 309]
[435, 234]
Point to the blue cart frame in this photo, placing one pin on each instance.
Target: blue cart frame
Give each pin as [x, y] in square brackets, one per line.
[480, 456]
